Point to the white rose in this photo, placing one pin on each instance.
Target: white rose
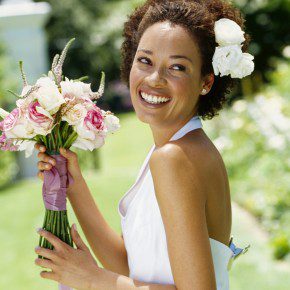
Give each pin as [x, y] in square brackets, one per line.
[86, 144]
[72, 89]
[22, 129]
[87, 139]
[48, 95]
[75, 115]
[228, 32]
[27, 146]
[226, 58]
[111, 123]
[244, 67]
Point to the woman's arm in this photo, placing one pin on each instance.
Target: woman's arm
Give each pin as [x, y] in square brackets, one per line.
[181, 194]
[107, 280]
[106, 244]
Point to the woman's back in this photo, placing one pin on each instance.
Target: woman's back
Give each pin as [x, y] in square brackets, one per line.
[202, 153]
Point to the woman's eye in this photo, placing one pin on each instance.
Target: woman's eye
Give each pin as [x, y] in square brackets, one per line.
[140, 58]
[182, 68]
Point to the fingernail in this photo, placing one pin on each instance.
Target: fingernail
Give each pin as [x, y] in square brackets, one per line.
[51, 161]
[36, 248]
[38, 229]
[75, 227]
[41, 148]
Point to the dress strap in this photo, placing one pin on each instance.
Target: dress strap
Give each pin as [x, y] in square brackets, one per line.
[192, 124]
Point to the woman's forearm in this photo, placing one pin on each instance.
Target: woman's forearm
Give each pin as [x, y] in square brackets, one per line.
[106, 244]
[105, 279]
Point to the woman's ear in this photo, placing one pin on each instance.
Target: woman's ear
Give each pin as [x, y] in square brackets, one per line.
[207, 83]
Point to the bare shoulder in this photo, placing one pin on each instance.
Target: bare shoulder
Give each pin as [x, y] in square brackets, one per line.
[194, 164]
[194, 154]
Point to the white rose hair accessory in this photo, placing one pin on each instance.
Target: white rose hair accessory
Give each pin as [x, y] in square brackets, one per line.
[228, 58]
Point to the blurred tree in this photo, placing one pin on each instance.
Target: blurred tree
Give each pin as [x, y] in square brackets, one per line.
[97, 26]
[267, 23]
[8, 166]
[7, 80]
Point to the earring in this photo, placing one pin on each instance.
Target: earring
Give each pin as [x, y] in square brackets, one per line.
[204, 91]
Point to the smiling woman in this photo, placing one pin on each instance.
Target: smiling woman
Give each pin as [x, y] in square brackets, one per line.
[178, 60]
[197, 18]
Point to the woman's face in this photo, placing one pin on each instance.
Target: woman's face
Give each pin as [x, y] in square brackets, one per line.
[167, 64]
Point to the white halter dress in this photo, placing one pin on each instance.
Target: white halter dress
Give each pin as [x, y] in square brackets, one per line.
[144, 234]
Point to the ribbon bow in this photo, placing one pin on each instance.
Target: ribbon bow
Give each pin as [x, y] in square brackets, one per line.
[237, 252]
[55, 184]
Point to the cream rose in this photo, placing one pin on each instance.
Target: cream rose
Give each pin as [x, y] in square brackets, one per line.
[228, 32]
[75, 115]
[48, 95]
[111, 123]
[75, 89]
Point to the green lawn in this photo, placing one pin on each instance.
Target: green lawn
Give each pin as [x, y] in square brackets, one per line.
[22, 211]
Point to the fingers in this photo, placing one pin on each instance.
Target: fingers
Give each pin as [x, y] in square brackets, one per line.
[54, 240]
[67, 153]
[49, 275]
[40, 147]
[43, 165]
[77, 239]
[46, 253]
[40, 175]
[43, 156]
[46, 158]
[44, 263]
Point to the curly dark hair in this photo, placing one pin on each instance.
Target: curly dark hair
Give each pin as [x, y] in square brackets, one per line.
[198, 18]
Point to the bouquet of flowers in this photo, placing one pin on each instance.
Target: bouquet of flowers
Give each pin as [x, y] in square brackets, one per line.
[56, 112]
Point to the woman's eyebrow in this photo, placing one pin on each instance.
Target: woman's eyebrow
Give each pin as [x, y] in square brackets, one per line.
[172, 56]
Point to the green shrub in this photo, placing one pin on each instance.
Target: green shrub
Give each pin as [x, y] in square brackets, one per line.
[254, 137]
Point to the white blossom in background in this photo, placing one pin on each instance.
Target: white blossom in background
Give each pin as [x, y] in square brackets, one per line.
[222, 143]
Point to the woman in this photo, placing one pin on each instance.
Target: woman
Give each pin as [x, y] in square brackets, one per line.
[176, 218]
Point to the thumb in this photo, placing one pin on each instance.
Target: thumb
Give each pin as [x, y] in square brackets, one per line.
[77, 238]
[68, 154]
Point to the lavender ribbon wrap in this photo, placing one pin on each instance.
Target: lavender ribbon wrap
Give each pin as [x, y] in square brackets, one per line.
[55, 184]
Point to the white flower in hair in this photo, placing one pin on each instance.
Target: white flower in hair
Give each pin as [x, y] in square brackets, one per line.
[228, 58]
[244, 67]
[228, 32]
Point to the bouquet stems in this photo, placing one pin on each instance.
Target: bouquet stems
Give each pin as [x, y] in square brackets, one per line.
[57, 223]
[54, 194]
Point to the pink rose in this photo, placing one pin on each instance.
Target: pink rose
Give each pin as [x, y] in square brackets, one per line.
[34, 115]
[39, 118]
[10, 121]
[94, 120]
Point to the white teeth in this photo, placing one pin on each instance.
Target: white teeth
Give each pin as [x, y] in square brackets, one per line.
[153, 99]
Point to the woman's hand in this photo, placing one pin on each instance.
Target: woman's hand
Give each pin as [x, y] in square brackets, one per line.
[46, 162]
[75, 268]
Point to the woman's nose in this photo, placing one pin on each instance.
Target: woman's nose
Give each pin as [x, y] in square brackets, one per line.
[156, 79]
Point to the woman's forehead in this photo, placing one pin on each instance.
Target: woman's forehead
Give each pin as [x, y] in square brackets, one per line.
[166, 38]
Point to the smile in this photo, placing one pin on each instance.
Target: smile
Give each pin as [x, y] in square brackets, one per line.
[153, 99]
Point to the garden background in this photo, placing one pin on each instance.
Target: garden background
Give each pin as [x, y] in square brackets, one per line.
[252, 134]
